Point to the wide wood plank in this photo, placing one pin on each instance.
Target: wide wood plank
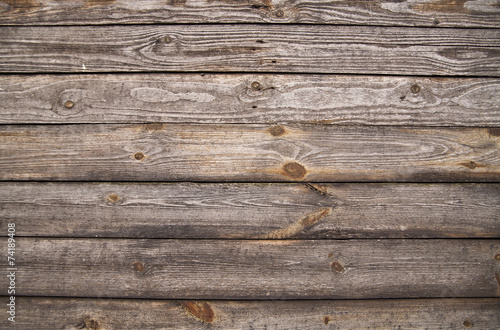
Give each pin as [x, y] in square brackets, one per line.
[251, 98]
[251, 48]
[479, 13]
[260, 269]
[73, 313]
[248, 153]
[250, 211]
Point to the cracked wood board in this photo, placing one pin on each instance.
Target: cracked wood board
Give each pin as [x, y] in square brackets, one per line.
[251, 211]
[249, 98]
[251, 48]
[256, 269]
[248, 153]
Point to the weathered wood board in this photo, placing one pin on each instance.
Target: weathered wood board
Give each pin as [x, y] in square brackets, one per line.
[256, 269]
[252, 48]
[248, 153]
[73, 313]
[479, 13]
[251, 211]
[249, 98]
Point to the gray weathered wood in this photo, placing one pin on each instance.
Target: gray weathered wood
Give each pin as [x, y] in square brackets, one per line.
[223, 98]
[274, 211]
[479, 13]
[256, 269]
[262, 48]
[74, 313]
[248, 153]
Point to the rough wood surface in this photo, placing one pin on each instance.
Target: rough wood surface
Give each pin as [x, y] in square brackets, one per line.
[248, 153]
[256, 269]
[250, 211]
[252, 98]
[479, 13]
[251, 48]
[72, 313]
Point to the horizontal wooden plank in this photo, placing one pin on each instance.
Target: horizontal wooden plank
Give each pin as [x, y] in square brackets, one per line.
[248, 153]
[251, 48]
[479, 13]
[256, 269]
[249, 211]
[72, 313]
[249, 98]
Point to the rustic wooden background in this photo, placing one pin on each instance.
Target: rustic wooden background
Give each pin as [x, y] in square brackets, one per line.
[253, 164]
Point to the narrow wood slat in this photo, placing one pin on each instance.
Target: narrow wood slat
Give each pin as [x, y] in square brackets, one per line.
[251, 153]
[262, 48]
[237, 98]
[73, 313]
[256, 269]
[479, 13]
[251, 211]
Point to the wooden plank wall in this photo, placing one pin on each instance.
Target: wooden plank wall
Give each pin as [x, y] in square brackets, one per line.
[254, 164]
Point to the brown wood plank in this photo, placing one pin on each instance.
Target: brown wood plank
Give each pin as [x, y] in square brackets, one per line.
[255, 48]
[250, 211]
[479, 13]
[72, 313]
[248, 153]
[256, 269]
[249, 98]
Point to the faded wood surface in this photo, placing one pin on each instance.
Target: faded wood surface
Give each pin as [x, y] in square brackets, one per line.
[481, 13]
[249, 153]
[260, 269]
[251, 211]
[251, 48]
[251, 98]
[73, 313]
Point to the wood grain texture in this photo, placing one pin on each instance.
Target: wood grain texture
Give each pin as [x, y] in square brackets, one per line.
[250, 98]
[248, 153]
[256, 269]
[479, 13]
[251, 48]
[73, 313]
[250, 211]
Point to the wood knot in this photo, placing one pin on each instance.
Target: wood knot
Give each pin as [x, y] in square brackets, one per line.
[90, 323]
[113, 198]
[139, 156]
[255, 86]
[470, 165]
[415, 89]
[277, 130]
[139, 267]
[326, 320]
[200, 310]
[294, 170]
[467, 323]
[497, 257]
[279, 13]
[337, 266]
[69, 104]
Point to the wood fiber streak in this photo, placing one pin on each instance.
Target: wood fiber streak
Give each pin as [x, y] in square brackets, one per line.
[481, 13]
[73, 313]
[223, 98]
[249, 211]
[258, 269]
[250, 153]
[251, 48]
